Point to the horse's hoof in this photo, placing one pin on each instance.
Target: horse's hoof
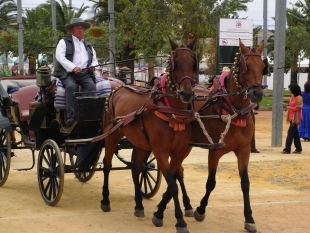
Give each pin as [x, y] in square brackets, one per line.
[139, 213]
[105, 208]
[199, 217]
[189, 213]
[182, 230]
[157, 222]
[250, 227]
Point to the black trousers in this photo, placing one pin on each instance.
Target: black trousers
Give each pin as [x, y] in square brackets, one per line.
[292, 135]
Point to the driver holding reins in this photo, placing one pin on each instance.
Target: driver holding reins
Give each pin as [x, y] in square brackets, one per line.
[73, 56]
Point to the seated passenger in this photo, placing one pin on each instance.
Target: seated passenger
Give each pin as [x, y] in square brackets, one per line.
[213, 82]
[105, 74]
[73, 56]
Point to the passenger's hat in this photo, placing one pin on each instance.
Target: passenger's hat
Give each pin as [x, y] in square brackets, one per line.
[225, 69]
[77, 22]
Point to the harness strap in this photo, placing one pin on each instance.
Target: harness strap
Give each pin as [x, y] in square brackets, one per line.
[102, 136]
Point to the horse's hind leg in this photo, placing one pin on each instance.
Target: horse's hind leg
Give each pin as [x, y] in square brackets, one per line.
[249, 223]
[189, 212]
[139, 157]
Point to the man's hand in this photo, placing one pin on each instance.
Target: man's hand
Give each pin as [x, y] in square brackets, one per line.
[91, 70]
[77, 70]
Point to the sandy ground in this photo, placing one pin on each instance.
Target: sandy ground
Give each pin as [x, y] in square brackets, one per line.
[280, 195]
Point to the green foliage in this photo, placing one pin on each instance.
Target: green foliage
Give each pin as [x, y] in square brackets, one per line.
[8, 14]
[100, 43]
[38, 37]
[143, 25]
[211, 58]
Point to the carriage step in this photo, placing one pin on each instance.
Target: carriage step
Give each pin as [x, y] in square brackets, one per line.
[214, 146]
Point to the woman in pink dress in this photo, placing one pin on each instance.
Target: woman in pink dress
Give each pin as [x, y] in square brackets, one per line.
[294, 116]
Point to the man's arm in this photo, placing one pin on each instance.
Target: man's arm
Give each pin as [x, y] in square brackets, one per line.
[95, 60]
[61, 56]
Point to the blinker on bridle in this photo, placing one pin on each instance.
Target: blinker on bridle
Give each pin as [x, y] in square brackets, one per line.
[172, 82]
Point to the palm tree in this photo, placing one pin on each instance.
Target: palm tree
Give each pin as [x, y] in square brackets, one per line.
[63, 13]
[8, 13]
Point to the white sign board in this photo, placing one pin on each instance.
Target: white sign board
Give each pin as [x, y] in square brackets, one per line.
[231, 30]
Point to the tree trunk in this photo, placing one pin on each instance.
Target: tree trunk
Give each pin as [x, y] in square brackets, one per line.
[308, 79]
[294, 71]
[151, 73]
[32, 65]
[130, 63]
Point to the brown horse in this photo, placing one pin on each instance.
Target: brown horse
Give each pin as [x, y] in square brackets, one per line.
[235, 97]
[154, 120]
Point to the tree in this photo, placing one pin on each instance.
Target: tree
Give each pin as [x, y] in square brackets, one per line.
[38, 34]
[302, 16]
[8, 10]
[142, 26]
[294, 50]
[210, 55]
[63, 13]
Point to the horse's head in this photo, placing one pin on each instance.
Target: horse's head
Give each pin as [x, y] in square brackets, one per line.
[183, 67]
[248, 71]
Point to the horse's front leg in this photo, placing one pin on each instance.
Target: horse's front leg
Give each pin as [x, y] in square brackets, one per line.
[213, 160]
[210, 185]
[249, 223]
[110, 148]
[189, 212]
[139, 157]
[173, 191]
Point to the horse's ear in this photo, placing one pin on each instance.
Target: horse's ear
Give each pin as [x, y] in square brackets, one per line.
[265, 71]
[173, 44]
[261, 47]
[243, 49]
[192, 43]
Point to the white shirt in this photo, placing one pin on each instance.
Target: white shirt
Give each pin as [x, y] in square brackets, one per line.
[80, 58]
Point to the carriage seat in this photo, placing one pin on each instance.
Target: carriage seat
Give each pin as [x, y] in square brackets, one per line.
[24, 96]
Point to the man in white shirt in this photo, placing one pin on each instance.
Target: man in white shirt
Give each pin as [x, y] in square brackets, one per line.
[73, 57]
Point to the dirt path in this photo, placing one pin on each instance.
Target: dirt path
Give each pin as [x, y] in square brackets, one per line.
[280, 195]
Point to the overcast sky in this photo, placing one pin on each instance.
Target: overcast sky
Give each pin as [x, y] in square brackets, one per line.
[255, 9]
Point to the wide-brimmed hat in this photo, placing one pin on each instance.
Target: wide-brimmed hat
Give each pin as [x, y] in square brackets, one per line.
[210, 80]
[77, 22]
[225, 69]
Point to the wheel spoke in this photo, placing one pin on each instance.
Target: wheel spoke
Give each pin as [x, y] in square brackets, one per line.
[150, 175]
[47, 161]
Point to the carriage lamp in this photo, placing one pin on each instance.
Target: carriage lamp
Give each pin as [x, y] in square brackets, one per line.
[125, 75]
[43, 77]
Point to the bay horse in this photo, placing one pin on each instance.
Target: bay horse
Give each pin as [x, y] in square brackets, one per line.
[232, 100]
[154, 120]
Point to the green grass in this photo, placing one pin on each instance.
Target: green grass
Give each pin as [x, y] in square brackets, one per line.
[267, 101]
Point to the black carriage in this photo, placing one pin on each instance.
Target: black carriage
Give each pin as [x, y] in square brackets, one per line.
[41, 127]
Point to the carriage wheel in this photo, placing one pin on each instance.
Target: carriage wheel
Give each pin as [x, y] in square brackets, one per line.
[5, 155]
[50, 172]
[150, 177]
[82, 176]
